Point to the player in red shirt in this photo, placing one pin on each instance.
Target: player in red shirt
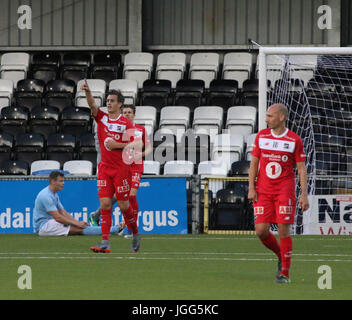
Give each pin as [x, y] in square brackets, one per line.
[137, 166]
[276, 151]
[114, 134]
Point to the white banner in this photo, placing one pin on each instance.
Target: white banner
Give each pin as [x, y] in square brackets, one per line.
[329, 214]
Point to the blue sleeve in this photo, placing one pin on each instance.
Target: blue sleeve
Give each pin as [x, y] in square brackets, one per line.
[48, 204]
[59, 204]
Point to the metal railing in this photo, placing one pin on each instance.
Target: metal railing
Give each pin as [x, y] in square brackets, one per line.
[216, 183]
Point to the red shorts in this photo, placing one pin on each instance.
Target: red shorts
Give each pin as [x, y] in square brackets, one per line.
[275, 208]
[114, 181]
[135, 179]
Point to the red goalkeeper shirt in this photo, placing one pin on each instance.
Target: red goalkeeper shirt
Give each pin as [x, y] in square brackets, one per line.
[278, 156]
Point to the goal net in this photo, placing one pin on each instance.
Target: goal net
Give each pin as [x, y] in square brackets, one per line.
[317, 89]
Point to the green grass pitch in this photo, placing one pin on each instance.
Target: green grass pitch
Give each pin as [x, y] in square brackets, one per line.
[172, 267]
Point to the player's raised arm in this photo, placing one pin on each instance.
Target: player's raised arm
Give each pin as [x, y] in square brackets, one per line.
[90, 99]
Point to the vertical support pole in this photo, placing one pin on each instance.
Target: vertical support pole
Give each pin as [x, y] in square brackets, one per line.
[206, 205]
[195, 180]
[334, 34]
[135, 25]
[262, 89]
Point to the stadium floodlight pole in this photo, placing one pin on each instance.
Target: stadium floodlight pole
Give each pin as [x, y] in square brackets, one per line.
[264, 51]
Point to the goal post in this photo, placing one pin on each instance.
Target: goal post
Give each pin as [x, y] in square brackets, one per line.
[262, 69]
[320, 111]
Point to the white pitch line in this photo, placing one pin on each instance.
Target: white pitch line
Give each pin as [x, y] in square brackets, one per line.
[181, 253]
[105, 256]
[164, 258]
[230, 237]
[234, 237]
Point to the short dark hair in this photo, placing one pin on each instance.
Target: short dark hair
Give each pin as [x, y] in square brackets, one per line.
[129, 106]
[118, 94]
[55, 174]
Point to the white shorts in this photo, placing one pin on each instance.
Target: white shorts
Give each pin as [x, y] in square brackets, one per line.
[53, 228]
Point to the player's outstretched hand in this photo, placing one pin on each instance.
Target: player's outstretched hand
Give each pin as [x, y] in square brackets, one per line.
[84, 86]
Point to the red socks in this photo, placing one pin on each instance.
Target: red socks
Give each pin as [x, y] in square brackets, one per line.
[130, 216]
[134, 204]
[105, 222]
[271, 243]
[286, 252]
[283, 251]
[130, 219]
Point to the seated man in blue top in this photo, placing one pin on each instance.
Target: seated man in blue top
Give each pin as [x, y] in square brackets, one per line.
[51, 219]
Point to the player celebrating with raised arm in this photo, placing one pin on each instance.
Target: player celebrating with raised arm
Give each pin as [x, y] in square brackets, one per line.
[114, 134]
[136, 168]
[276, 151]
